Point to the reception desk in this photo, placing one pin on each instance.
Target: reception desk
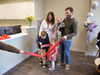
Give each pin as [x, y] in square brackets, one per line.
[24, 41]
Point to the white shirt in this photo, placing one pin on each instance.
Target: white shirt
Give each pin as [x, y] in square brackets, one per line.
[50, 30]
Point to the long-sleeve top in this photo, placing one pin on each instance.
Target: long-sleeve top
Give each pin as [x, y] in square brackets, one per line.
[43, 41]
[71, 27]
[9, 48]
[49, 29]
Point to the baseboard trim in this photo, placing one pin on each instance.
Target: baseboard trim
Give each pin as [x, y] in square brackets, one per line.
[90, 54]
[80, 50]
[14, 64]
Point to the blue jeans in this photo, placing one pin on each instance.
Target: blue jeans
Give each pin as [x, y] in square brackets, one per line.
[64, 47]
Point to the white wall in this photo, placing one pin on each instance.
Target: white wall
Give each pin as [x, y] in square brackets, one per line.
[39, 9]
[81, 8]
[38, 12]
[13, 22]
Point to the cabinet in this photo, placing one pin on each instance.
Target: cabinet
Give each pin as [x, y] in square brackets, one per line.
[27, 8]
[31, 8]
[5, 11]
[16, 10]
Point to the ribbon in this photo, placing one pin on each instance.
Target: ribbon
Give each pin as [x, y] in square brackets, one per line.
[93, 26]
[33, 54]
[52, 48]
[37, 55]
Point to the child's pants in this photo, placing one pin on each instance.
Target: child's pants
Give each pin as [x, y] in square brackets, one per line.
[42, 53]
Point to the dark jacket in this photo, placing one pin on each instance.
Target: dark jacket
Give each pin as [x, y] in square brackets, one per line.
[43, 41]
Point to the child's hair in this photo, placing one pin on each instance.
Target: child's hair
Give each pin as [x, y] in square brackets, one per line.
[58, 18]
[54, 39]
[43, 33]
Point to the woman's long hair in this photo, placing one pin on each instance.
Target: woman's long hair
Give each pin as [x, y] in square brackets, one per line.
[53, 18]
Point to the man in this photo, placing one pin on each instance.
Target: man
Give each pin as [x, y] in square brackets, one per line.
[71, 26]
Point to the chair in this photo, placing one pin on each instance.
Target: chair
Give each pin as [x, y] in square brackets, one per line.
[98, 52]
[96, 63]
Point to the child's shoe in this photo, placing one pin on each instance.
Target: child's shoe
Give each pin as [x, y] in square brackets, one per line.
[40, 63]
[51, 69]
[49, 66]
[44, 65]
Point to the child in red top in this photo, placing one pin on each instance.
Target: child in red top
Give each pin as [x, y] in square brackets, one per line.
[52, 54]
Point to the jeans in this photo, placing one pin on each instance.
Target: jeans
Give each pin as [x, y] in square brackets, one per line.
[64, 47]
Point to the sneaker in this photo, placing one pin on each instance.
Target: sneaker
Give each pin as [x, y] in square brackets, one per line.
[40, 63]
[51, 69]
[44, 65]
[60, 63]
[49, 66]
[66, 67]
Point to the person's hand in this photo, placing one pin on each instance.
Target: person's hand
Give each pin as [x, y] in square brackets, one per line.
[58, 28]
[64, 37]
[54, 29]
[21, 52]
[52, 55]
[40, 43]
[41, 46]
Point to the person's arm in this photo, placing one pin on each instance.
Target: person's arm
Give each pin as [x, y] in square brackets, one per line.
[41, 27]
[9, 48]
[37, 41]
[55, 31]
[55, 51]
[75, 28]
[46, 45]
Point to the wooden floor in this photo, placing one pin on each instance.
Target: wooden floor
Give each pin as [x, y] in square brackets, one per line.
[79, 65]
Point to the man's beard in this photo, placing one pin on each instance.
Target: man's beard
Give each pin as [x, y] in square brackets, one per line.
[69, 16]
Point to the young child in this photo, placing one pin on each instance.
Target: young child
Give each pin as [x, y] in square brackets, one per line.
[60, 24]
[41, 41]
[52, 54]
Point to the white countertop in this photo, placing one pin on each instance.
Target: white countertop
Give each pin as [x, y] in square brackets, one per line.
[15, 36]
[28, 27]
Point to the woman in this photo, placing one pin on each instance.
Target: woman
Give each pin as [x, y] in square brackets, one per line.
[48, 25]
[9, 48]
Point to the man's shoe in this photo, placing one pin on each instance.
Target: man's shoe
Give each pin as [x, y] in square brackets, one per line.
[66, 67]
[60, 63]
